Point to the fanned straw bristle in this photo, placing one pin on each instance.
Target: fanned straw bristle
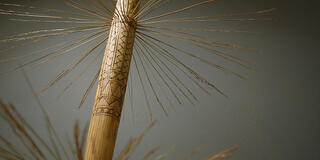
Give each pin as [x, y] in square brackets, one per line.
[150, 44]
[125, 29]
[32, 141]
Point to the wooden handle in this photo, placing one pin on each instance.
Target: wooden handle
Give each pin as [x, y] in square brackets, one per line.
[112, 83]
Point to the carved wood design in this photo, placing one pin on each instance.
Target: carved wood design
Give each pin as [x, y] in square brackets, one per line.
[112, 83]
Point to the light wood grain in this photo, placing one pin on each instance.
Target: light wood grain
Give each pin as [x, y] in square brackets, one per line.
[112, 83]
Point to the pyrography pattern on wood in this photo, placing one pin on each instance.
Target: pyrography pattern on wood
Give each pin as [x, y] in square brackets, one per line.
[115, 69]
[112, 83]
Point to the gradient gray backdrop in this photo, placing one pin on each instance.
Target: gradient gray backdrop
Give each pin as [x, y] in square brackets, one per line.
[273, 115]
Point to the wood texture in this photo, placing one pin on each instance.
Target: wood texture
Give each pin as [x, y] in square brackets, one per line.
[112, 83]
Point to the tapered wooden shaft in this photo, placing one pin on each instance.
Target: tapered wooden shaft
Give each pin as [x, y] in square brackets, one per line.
[112, 83]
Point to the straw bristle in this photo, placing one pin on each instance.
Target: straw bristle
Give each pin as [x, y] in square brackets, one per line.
[151, 48]
[223, 154]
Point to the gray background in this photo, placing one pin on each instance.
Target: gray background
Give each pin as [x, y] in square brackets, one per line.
[273, 114]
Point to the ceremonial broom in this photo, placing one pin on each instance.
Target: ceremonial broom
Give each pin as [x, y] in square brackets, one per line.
[113, 75]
